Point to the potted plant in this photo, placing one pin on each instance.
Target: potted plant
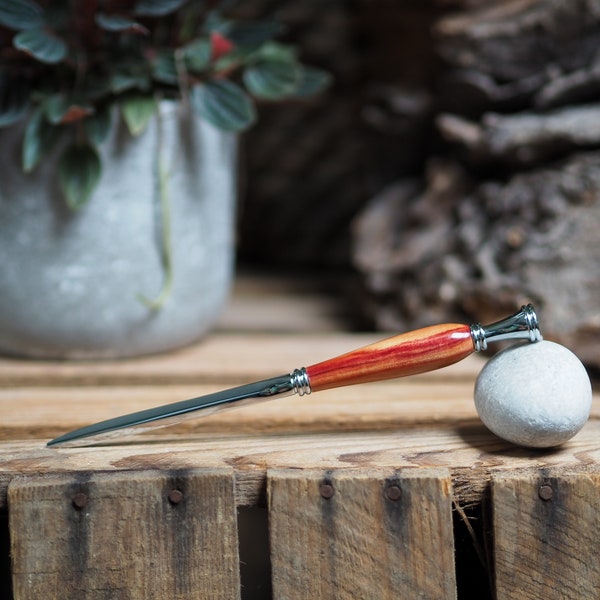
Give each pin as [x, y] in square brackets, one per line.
[119, 122]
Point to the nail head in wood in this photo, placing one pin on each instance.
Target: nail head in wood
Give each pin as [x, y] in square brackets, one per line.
[175, 497]
[79, 501]
[393, 492]
[326, 490]
[545, 492]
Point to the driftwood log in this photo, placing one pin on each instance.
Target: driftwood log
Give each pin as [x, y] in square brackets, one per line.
[507, 207]
[455, 250]
[526, 138]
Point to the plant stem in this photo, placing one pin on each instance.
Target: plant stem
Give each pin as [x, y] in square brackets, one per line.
[165, 225]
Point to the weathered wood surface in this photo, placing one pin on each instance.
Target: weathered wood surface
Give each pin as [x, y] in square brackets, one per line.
[151, 535]
[466, 448]
[423, 430]
[427, 420]
[38, 413]
[546, 534]
[361, 534]
[223, 359]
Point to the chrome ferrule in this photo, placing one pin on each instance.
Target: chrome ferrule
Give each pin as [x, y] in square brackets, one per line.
[521, 325]
[300, 381]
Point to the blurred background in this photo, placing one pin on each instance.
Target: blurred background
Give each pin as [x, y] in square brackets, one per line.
[450, 172]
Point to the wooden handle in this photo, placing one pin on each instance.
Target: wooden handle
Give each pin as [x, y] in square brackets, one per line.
[406, 354]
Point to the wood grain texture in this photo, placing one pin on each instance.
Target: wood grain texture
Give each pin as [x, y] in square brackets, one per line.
[547, 534]
[362, 434]
[225, 359]
[29, 413]
[118, 536]
[359, 535]
[470, 452]
[409, 353]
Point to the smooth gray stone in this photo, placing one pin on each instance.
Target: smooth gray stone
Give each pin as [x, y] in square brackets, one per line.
[536, 395]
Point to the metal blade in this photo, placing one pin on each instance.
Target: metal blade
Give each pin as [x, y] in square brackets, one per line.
[169, 414]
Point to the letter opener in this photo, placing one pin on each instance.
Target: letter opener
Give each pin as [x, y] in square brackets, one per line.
[409, 353]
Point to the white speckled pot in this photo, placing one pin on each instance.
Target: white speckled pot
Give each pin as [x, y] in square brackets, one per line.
[70, 281]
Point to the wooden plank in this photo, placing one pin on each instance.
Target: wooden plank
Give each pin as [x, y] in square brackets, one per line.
[27, 413]
[48, 412]
[284, 304]
[125, 536]
[361, 534]
[547, 534]
[469, 451]
[223, 358]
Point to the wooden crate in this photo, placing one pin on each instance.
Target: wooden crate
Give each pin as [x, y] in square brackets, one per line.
[387, 490]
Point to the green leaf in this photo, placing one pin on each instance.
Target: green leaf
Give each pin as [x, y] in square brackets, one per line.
[40, 137]
[312, 81]
[42, 45]
[21, 14]
[164, 68]
[14, 100]
[224, 104]
[229, 61]
[197, 55]
[157, 8]
[137, 110]
[214, 21]
[272, 79]
[98, 125]
[276, 51]
[122, 81]
[116, 23]
[79, 170]
[252, 35]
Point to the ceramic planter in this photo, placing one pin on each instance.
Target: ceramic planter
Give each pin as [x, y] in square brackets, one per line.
[71, 281]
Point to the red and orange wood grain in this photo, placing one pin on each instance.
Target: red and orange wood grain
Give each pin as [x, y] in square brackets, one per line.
[398, 356]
